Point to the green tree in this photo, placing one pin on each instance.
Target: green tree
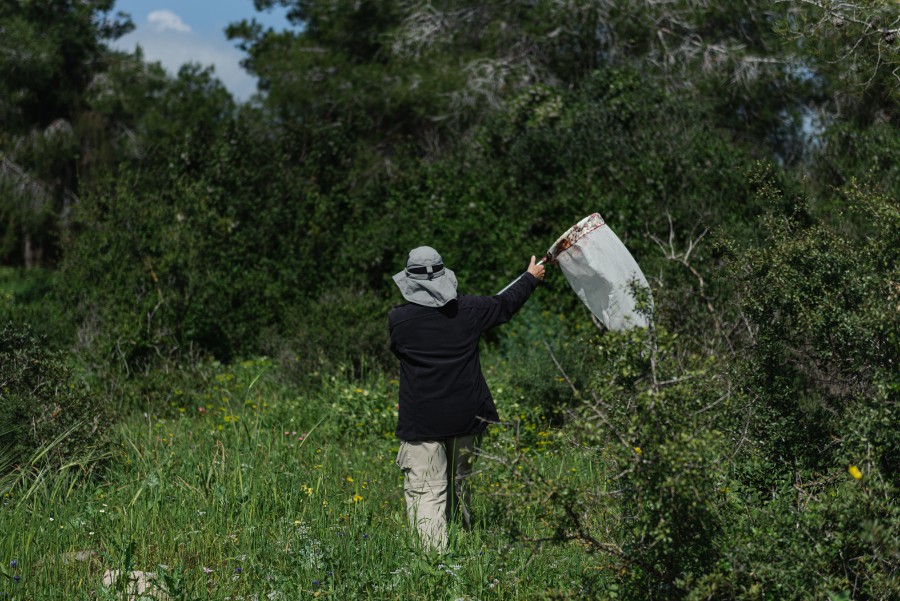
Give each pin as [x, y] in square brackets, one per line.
[854, 46]
[852, 49]
[53, 58]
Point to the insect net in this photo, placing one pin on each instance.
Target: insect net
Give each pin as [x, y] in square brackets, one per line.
[603, 273]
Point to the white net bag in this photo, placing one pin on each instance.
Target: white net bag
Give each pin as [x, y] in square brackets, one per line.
[602, 272]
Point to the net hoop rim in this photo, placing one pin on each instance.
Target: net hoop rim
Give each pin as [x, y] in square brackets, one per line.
[574, 234]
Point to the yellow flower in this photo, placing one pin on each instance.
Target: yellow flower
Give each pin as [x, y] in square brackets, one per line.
[349, 479]
[357, 498]
[854, 471]
[637, 450]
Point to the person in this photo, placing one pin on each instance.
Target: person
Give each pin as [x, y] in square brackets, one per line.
[445, 404]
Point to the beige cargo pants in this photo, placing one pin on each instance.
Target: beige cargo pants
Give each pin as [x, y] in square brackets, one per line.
[430, 468]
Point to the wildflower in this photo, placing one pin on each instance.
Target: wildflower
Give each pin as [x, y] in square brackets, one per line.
[238, 570]
[365, 537]
[207, 570]
[17, 577]
[349, 479]
[854, 471]
[357, 498]
[14, 563]
[637, 450]
[316, 583]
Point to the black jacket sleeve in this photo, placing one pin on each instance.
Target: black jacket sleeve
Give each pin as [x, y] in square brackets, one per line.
[500, 308]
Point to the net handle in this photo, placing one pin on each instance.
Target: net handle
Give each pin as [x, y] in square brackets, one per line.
[510, 285]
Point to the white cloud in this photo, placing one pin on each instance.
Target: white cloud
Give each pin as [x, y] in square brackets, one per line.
[173, 49]
[162, 20]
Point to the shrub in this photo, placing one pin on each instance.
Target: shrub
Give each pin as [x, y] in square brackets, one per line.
[44, 408]
[30, 296]
[764, 471]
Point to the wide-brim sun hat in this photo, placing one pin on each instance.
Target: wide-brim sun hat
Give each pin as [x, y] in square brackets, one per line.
[426, 281]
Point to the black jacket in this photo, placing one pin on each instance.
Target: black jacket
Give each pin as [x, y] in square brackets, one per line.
[442, 389]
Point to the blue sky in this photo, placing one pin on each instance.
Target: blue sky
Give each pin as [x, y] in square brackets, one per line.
[174, 32]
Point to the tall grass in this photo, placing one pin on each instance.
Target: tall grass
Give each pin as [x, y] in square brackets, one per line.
[249, 489]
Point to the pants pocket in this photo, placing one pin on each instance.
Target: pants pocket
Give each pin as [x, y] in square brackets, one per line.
[403, 457]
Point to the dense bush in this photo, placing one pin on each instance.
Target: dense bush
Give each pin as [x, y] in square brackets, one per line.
[48, 416]
[761, 466]
[207, 257]
[823, 299]
[30, 298]
[253, 241]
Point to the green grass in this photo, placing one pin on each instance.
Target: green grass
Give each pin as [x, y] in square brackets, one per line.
[248, 489]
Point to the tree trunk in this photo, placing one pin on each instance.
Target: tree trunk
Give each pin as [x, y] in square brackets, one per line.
[31, 254]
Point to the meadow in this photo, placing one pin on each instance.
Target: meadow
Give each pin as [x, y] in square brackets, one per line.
[251, 489]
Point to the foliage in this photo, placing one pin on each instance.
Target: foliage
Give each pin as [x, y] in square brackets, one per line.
[854, 46]
[852, 156]
[423, 70]
[821, 371]
[823, 356]
[29, 299]
[742, 448]
[52, 68]
[342, 328]
[257, 243]
[49, 417]
[722, 465]
[432, 70]
[205, 259]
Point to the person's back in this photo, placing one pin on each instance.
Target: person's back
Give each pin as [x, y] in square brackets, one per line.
[445, 403]
[442, 389]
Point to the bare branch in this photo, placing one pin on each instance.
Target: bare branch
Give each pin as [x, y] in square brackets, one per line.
[561, 370]
[840, 13]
